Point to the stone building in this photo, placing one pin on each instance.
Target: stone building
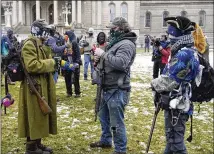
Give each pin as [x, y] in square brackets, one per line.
[145, 16]
[153, 12]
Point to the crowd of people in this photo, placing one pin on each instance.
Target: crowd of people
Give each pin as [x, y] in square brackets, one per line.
[55, 54]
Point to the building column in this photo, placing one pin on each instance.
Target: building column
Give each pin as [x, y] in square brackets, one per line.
[14, 13]
[73, 11]
[99, 13]
[28, 15]
[21, 12]
[55, 12]
[7, 18]
[79, 12]
[38, 9]
[93, 8]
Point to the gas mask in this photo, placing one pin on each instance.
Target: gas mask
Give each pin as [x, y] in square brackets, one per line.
[7, 100]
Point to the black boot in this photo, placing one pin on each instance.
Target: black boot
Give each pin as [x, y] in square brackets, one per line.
[31, 148]
[43, 147]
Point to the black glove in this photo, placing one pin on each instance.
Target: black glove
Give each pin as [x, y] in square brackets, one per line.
[57, 63]
[156, 98]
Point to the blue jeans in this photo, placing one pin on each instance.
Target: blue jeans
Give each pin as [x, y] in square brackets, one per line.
[147, 45]
[55, 76]
[87, 60]
[112, 118]
[175, 134]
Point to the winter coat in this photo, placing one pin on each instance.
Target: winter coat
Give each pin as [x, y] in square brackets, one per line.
[165, 53]
[31, 121]
[52, 43]
[76, 58]
[91, 40]
[118, 60]
[183, 67]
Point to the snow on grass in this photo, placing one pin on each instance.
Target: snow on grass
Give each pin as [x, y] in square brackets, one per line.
[77, 129]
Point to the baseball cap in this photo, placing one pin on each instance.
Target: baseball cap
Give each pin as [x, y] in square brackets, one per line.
[119, 22]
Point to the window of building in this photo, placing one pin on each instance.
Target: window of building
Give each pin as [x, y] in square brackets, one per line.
[183, 13]
[112, 12]
[2, 16]
[165, 14]
[34, 12]
[124, 10]
[202, 16]
[148, 19]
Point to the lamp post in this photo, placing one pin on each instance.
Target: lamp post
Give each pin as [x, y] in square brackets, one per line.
[66, 9]
[8, 12]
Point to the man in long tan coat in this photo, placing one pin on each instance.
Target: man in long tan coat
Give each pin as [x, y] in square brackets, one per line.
[32, 124]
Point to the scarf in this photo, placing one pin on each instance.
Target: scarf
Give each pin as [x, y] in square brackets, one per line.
[180, 42]
[114, 39]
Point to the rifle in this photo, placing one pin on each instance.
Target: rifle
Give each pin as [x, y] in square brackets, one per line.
[32, 85]
[157, 109]
[99, 88]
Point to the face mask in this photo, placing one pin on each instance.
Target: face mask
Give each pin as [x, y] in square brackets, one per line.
[90, 34]
[172, 39]
[114, 33]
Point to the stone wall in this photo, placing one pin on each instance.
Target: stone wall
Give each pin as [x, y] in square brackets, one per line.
[174, 8]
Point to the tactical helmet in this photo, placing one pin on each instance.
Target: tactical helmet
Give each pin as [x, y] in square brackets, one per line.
[52, 30]
[40, 28]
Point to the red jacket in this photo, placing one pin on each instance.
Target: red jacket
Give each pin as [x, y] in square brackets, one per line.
[165, 55]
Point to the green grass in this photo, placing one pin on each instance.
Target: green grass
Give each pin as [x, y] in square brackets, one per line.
[140, 50]
[76, 126]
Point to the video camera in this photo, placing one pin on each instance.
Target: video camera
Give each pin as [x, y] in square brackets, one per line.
[157, 42]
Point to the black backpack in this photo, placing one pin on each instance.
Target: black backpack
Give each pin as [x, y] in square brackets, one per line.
[205, 91]
[14, 68]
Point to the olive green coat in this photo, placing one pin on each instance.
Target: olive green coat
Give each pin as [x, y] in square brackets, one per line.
[31, 122]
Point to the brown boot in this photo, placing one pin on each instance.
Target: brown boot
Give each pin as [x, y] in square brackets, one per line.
[43, 147]
[31, 148]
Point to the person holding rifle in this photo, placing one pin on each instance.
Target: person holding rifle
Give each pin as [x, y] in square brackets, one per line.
[34, 121]
[115, 84]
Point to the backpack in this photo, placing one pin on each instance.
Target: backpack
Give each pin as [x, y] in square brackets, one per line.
[4, 48]
[205, 91]
[15, 69]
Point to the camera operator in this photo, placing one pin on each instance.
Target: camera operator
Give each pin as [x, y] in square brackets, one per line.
[156, 57]
[161, 52]
[164, 49]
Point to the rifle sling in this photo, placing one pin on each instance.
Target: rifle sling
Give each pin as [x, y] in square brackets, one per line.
[36, 85]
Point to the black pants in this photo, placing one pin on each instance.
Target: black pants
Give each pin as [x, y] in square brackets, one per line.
[175, 133]
[72, 78]
[156, 67]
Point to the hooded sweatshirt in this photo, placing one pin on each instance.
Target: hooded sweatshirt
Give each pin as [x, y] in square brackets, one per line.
[76, 58]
